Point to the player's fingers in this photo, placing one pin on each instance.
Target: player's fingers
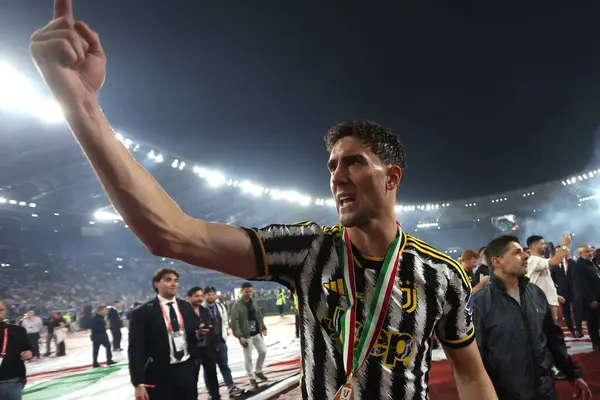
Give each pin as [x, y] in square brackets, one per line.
[55, 24]
[71, 36]
[54, 50]
[89, 36]
[63, 8]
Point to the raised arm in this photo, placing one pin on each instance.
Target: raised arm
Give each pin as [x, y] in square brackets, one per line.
[70, 58]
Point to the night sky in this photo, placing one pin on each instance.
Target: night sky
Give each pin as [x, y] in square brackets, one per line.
[485, 99]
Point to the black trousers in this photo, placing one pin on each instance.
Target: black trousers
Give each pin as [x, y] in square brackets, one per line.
[116, 334]
[34, 339]
[593, 323]
[297, 325]
[209, 364]
[179, 383]
[570, 312]
[97, 342]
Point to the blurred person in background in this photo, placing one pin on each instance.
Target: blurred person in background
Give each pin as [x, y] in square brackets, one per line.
[55, 323]
[248, 325]
[33, 325]
[220, 330]
[563, 278]
[280, 302]
[482, 274]
[468, 261]
[517, 335]
[538, 267]
[100, 337]
[587, 292]
[14, 350]
[596, 259]
[207, 344]
[114, 320]
[163, 343]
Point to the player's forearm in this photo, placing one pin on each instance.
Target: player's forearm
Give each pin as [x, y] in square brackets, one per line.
[138, 198]
[475, 389]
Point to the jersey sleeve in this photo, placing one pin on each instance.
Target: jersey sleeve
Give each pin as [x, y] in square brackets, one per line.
[283, 252]
[455, 328]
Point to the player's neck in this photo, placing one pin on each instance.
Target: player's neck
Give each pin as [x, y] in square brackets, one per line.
[374, 239]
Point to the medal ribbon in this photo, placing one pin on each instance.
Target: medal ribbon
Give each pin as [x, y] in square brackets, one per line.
[378, 308]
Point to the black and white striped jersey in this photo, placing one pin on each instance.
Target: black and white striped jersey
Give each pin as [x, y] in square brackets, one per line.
[432, 294]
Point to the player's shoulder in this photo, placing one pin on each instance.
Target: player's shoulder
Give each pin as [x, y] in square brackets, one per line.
[434, 258]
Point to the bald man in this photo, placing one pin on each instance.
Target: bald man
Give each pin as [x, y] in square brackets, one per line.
[587, 291]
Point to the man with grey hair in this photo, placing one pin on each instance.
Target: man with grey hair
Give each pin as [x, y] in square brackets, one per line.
[587, 291]
[33, 325]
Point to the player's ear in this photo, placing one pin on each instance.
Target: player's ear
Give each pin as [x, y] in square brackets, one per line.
[394, 177]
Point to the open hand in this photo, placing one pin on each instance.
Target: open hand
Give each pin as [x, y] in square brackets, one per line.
[69, 56]
[26, 355]
[581, 390]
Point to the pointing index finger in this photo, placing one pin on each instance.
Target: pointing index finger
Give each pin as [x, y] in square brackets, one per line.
[63, 8]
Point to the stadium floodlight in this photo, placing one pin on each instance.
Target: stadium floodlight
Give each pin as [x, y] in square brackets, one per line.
[32, 205]
[250, 188]
[12, 202]
[18, 94]
[102, 215]
[182, 165]
[2, 200]
[34, 215]
[175, 164]
[215, 179]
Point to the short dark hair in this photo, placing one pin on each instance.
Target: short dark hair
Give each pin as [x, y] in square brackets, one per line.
[160, 273]
[380, 140]
[100, 307]
[498, 246]
[116, 302]
[193, 291]
[210, 289]
[534, 238]
[246, 285]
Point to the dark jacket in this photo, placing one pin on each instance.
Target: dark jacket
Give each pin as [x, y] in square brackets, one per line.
[207, 344]
[98, 327]
[114, 319]
[564, 281]
[12, 366]
[587, 282]
[149, 352]
[520, 343]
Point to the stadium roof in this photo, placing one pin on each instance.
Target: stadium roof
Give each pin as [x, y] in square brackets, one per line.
[43, 174]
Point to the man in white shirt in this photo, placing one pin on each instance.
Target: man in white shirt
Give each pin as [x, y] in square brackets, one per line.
[33, 325]
[538, 268]
[163, 344]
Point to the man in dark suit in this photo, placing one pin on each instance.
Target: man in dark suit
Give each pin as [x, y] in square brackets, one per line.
[100, 337]
[587, 292]
[207, 345]
[163, 344]
[15, 349]
[563, 278]
[114, 320]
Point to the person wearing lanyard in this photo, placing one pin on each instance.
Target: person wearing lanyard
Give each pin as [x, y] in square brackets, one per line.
[220, 323]
[15, 349]
[163, 343]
